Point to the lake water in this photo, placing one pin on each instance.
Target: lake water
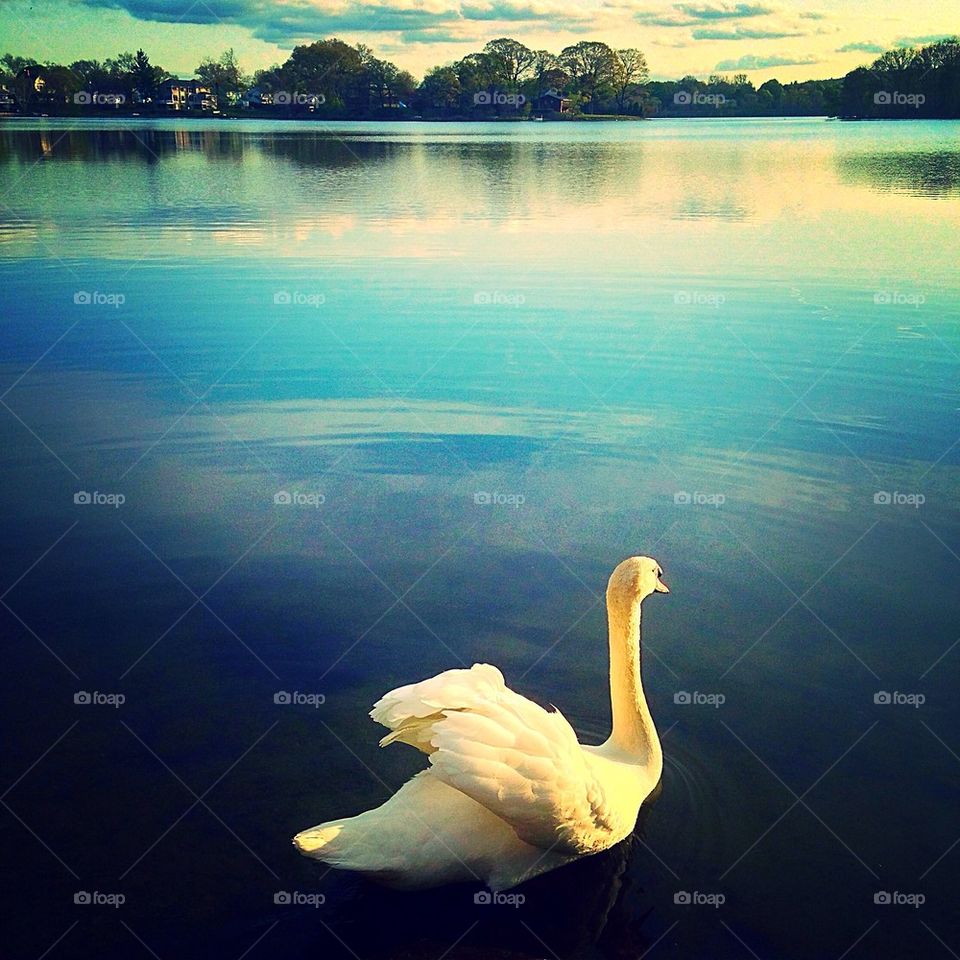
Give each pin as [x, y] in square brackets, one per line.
[484, 363]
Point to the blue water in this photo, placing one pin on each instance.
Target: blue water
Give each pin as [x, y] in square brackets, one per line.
[485, 362]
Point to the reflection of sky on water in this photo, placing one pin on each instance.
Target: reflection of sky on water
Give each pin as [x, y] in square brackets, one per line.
[656, 198]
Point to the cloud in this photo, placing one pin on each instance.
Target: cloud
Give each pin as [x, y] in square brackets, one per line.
[522, 12]
[278, 22]
[281, 22]
[637, 10]
[692, 14]
[741, 33]
[751, 62]
[863, 45]
[649, 18]
[178, 11]
[918, 41]
[725, 11]
[432, 35]
[286, 22]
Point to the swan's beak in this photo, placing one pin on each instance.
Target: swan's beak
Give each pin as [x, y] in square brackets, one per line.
[661, 587]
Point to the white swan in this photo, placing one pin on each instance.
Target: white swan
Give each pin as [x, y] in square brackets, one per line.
[510, 793]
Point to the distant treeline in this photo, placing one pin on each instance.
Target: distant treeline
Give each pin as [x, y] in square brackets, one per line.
[507, 80]
[906, 83]
[737, 97]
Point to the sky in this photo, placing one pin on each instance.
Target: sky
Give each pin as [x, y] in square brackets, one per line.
[786, 40]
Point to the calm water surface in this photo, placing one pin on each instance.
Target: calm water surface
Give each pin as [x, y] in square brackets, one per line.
[485, 362]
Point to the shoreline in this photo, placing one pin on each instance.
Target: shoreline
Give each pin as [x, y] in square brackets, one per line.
[198, 118]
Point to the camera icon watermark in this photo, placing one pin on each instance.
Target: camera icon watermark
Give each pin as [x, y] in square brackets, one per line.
[899, 298]
[489, 898]
[894, 98]
[699, 298]
[683, 498]
[97, 298]
[297, 699]
[95, 898]
[298, 298]
[897, 499]
[498, 99]
[484, 498]
[296, 898]
[85, 698]
[886, 898]
[895, 698]
[294, 498]
[85, 498]
[694, 98]
[695, 898]
[86, 98]
[696, 698]
[498, 298]
[290, 98]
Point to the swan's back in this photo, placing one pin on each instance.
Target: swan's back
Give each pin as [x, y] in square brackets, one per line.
[428, 834]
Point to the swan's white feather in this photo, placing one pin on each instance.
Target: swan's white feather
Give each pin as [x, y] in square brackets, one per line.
[426, 834]
[452, 689]
[521, 762]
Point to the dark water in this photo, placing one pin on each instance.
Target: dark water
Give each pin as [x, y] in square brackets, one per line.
[719, 343]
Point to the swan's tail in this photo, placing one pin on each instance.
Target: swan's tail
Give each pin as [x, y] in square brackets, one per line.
[358, 843]
[317, 842]
[427, 834]
[424, 835]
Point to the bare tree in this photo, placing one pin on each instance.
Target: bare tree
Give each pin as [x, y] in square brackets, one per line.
[513, 57]
[590, 63]
[544, 65]
[629, 69]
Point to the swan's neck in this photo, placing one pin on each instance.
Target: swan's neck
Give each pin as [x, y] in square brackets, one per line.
[633, 729]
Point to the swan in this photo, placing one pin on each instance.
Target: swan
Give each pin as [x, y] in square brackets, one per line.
[509, 793]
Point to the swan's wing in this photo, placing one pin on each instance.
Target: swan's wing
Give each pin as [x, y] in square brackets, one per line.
[521, 762]
[411, 711]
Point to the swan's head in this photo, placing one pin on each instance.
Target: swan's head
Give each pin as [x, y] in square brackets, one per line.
[635, 579]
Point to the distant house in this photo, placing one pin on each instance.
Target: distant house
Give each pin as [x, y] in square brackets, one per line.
[201, 98]
[553, 102]
[29, 85]
[173, 93]
[32, 77]
[177, 94]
